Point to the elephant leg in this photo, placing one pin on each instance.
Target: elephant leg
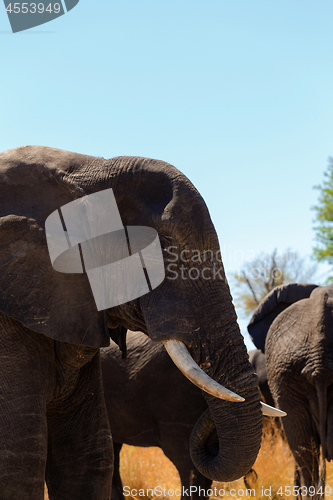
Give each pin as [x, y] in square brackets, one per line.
[117, 485]
[175, 445]
[23, 426]
[80, 450]
[307, 460]
[304, 444]
[194, 484]
[199, 481]
[322, 478]
[297, 482]
[250, 479]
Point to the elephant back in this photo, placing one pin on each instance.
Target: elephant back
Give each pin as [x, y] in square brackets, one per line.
[271, 306]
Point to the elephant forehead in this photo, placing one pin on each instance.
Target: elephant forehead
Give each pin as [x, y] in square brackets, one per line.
[305, 326]
[321, 292]
[31, 191]
[322, 313]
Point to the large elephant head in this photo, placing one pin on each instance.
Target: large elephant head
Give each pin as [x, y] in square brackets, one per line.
[193, 304]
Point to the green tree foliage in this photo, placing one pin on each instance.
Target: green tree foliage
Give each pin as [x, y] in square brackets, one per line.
[324, 218]
[259, 276]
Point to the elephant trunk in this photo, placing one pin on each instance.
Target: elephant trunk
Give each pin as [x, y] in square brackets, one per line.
[226, 439]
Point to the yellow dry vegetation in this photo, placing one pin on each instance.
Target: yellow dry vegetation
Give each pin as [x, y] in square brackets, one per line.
[143, 468]
[146, 468]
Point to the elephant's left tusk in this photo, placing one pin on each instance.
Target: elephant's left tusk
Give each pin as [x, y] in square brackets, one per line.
[183, 360]
[272, 412]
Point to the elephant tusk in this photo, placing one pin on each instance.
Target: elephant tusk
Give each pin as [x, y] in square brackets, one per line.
[186, 364]
[272, 412]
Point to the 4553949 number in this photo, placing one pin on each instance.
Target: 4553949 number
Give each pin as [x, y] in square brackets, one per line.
[311, 491]
[33, 8]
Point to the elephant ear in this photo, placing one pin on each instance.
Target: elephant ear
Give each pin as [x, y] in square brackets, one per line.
[58, 305]
[271, 306]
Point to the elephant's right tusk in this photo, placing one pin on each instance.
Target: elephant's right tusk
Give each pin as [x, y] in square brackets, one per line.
[186, 364]
[269, 411]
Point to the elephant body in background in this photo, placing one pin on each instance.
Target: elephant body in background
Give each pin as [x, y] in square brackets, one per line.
[151, 403]
[294, 325]
[258, 361]
[53, 420]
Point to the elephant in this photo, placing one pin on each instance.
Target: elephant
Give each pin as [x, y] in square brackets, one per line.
[258, 361]
[53, 420]
[293, 326]
[271, 427]
[144, 409]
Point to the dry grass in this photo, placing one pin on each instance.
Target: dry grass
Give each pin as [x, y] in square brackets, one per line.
[143, 468]
[147, 468]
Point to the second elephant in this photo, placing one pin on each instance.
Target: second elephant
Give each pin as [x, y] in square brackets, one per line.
[294, 326]
[150, 403]
[258, 361]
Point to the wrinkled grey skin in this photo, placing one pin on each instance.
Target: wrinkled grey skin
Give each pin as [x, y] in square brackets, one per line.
[299, 359]
[258, 361]
[151, 403]
[53, 420]
[144, 409]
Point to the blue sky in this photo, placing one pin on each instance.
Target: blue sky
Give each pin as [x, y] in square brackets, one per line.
[237, 94]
